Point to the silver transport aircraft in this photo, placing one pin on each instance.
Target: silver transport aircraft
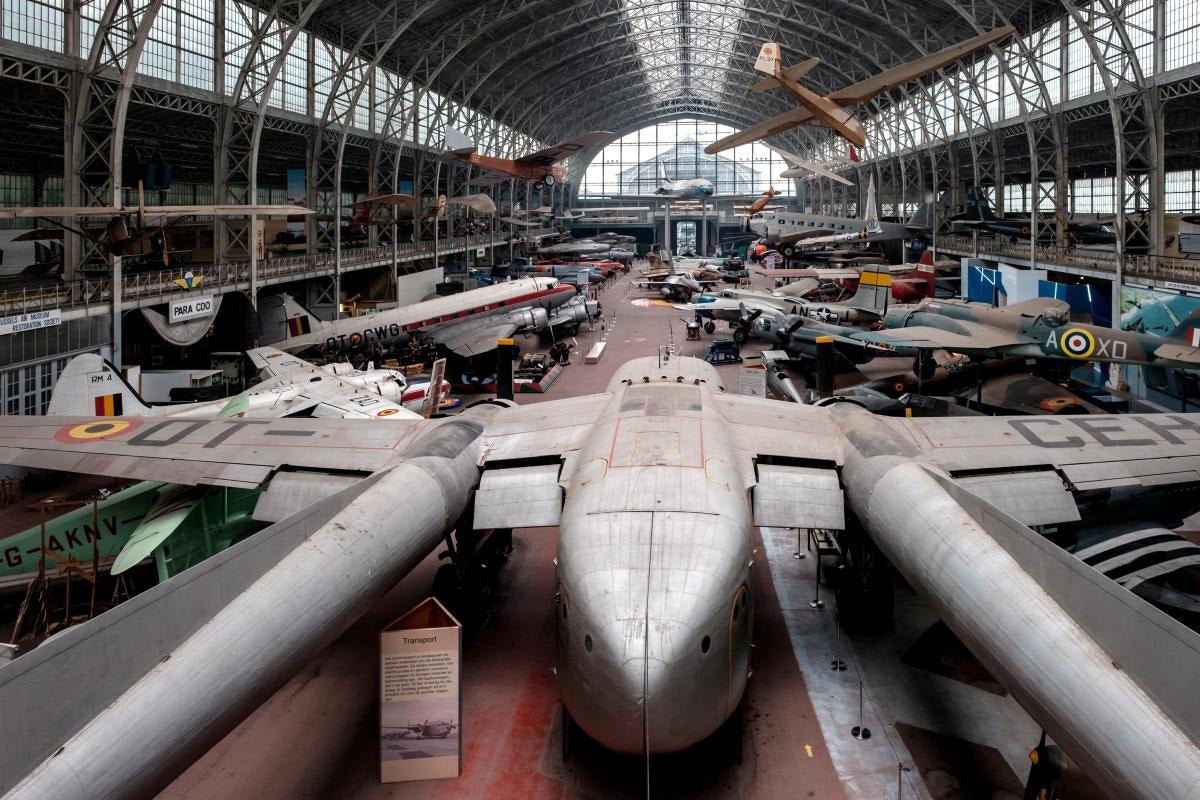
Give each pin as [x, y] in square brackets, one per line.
[655, 485]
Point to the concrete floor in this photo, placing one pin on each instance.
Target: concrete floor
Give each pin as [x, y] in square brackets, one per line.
[939, 730]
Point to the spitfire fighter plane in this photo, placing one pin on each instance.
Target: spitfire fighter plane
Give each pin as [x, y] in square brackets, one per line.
[1037, 328]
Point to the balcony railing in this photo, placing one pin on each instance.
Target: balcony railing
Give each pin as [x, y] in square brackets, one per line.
[88, 292]
[1182, 270]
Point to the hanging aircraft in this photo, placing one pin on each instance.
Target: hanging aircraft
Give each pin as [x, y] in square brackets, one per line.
[660, 470]
[806, 169]
[536, 167]
[574, 247]
[979, 215]
[761, 203]
[1037, 328]
[465, 324]
[832, 109]
[141, 234]
[683, 189]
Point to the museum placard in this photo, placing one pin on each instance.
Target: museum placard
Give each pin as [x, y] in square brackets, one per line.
[420, 699]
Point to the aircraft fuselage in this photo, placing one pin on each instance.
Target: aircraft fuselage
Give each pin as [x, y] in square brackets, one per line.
[654, 585]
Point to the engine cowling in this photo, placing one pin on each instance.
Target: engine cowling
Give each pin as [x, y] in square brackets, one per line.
[537, 319]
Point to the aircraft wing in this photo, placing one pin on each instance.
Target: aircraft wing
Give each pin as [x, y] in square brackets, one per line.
[240, 453]
[1129, 450]
[477, 202]
[473, 337]
[902, 74]
[976, 337]
[1175, 351]
[173, 506]
[317, 388]
[395, 200]
[763, 130]
[566, 149]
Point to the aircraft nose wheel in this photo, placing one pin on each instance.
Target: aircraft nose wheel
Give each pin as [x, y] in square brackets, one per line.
[548, 180]
[710, 327]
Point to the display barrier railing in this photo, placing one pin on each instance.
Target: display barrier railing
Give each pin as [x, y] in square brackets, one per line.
[88, 292]
[1160, 268]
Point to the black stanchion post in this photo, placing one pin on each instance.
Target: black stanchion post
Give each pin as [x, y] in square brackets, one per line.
[504, 369]
[824, 366]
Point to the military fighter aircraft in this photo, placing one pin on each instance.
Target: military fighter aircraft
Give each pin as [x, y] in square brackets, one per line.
[831, 110]
[1037, 328]
[537, 167]
[868, 304]
[981, 217]
[465, 324]
[291, 386]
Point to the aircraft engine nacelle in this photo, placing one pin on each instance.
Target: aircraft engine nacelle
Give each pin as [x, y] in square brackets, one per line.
[392, 388]
[536, 319]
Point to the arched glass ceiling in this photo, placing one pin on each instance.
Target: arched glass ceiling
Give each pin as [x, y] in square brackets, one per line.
[629, 165]
[685, 47]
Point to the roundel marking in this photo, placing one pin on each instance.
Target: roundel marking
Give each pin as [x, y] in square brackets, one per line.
[387, 412]
[356, 339]
[1077, 343]
[94, 431]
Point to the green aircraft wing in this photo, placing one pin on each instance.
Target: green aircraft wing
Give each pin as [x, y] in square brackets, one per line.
[170, 511]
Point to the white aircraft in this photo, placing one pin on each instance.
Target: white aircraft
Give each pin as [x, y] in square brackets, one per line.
[290, 387]
[687, 188]
[465, 324]
[804, 169]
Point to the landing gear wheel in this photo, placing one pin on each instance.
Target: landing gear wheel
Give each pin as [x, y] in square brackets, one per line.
[739, 336]
[548, 180]
[924, 367]
[789, 251]
[710, 327]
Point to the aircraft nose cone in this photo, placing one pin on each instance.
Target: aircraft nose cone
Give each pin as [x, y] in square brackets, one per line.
[660, 691]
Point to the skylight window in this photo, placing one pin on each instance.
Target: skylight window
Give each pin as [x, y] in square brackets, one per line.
[684, 45]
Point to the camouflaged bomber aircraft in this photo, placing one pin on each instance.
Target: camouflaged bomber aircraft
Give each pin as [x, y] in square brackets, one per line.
[1037, 328]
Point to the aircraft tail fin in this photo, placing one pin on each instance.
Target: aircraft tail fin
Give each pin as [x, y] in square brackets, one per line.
[281, 317]
[769, 60]
[1187, 331]
[662, 171]
[458, 142]
[871, 210]
[874, 289]
[978, 206]
[90, 386]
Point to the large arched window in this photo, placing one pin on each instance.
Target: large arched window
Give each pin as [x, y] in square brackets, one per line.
[630, 165]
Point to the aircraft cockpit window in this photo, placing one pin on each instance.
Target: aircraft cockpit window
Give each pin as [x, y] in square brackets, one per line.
[660, 401]
[1054, 317]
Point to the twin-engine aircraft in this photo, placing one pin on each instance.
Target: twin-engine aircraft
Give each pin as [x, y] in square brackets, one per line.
[465, 324]
[832, 109]
[656, 485]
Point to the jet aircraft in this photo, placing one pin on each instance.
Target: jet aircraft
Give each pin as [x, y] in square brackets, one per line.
[832, 110]
[801, 168]
[980, 216]
[1037, 328]
[537, 167]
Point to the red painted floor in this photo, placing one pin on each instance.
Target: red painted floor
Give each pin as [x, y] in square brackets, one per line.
[317, 737]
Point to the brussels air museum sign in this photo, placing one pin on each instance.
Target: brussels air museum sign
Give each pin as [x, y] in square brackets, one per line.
[420, 705]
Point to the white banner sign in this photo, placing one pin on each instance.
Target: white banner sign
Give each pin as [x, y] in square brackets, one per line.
[480, 252]
[190, 308]
[30, 322]
[1183, 287]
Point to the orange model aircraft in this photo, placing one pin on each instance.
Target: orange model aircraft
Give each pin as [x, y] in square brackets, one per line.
[537, 167]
